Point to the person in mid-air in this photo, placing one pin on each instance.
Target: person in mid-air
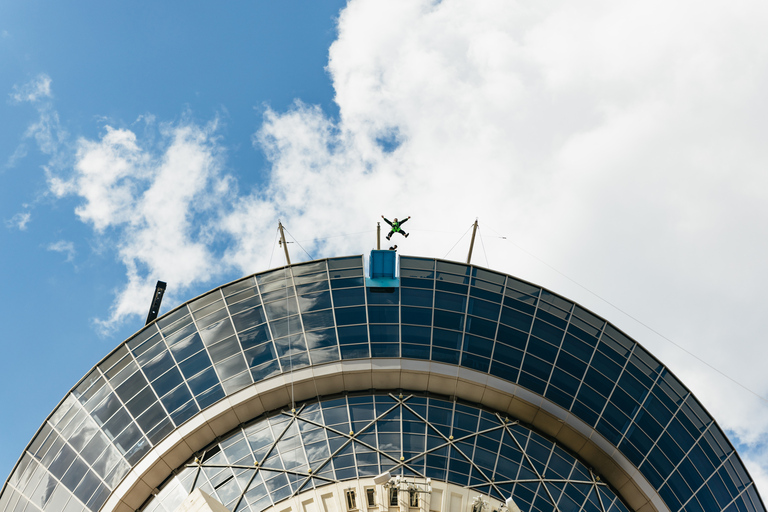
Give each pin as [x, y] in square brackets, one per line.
[396, 226]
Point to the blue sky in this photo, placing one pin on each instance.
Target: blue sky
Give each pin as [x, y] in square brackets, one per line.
[601, 143]
[112, 65]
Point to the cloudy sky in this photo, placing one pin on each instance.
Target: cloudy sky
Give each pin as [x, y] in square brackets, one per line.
[613, 151]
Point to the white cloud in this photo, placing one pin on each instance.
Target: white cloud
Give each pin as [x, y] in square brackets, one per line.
[157, 203]
[108, 175]
[65, 247]
[622, 141]
[19, 220]
[755, 463]
[32, 91]
[18, 154]
[626, 146]
[47, 131]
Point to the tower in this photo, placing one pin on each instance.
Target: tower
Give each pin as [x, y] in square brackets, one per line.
[316, 388]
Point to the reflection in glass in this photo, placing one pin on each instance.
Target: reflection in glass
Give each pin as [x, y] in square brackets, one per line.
[502, 460]
[483, 322]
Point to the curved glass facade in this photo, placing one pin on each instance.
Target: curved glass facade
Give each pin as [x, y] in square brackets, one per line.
[320, 312]
[352, 437]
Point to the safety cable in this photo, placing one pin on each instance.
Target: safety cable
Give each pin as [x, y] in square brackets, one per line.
[617, 308]
[485, 253]
[297, 243]
[457, 243]
[334, 236]
[434, 231]
[288, 320]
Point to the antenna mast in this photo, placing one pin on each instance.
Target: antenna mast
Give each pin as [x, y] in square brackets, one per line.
[283, 242]
[472, 242]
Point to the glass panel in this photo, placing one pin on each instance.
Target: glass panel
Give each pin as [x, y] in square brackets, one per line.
[167, 382]
[244, 305]
[421, 263]
[391, 298]
[418, 335]
[322, 338]
[312, 287]
[348, 297]
[281, 308]
[181, 333]
[315, 301]
[141, 402]
[159, 365]
[450, 301]
[176, 398]
[94, 448]
[324, 355]
[481, 327]
[205, 380]
[309, 268]
[484, 309]
[347, 283]
[317, 320]
[417, 273]
[167, 321]
[237, 382]
[286, 326]
[354, 351]
[477, 345]
[446, 339]
[136, 342]
[384, 333]
[347, 316]
[352, 335]
[554, 300]
[131, 386]
[416, 297]
[212, 333]
[445, 283]
[224, 349]
[338, 263]
[260, 354]
[278, 291]
[417, 316]
[238, 286]
[232, 366]
[205, 300]
[273, 275]
[189, 346]
[449, 320]
[201, 314]
[151, 417]
[454, 268]
[383, 314]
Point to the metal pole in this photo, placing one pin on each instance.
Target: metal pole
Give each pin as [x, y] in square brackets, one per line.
[282, 241]
[472, 243]
[378, 236]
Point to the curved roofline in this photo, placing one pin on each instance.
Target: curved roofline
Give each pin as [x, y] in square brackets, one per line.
[545, 406]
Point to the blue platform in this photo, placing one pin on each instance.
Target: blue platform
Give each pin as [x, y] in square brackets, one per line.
[382, 268]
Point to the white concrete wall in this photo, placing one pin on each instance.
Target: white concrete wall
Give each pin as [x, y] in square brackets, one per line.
[332, 498]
